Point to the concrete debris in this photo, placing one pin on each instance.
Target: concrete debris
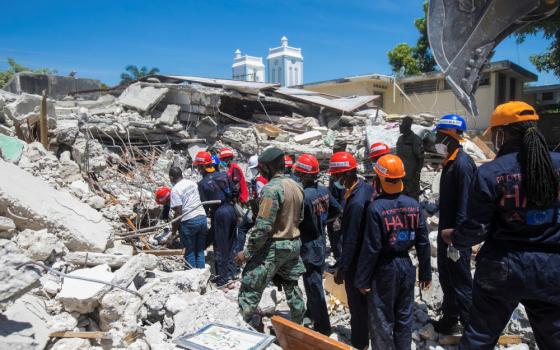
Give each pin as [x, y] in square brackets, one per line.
[308, 137]
[39, 245]
[84, 296]
[72, 344]
[141, 98]
[7, 227]
[62, 322]
[207, 128]
[170, 114]
[16, 280]
[94, 259]
[23, 325]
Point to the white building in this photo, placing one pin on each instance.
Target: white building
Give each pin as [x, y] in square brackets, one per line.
[247, 68]
[285, 65]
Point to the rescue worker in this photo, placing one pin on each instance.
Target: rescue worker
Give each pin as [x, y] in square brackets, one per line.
[273, 245]
[411, 150]
[376, 151]
[216, 186]
[185, 202]
[394, 223]
[236, 176]
[319, 206]
[342, 168]
[454, 266]
[288, 164]
[163, 194]
[514, 208]
[337, 192]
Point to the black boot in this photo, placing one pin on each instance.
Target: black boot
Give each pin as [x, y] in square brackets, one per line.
[447, 326]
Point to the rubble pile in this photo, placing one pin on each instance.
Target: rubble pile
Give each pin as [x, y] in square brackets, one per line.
[64, 207]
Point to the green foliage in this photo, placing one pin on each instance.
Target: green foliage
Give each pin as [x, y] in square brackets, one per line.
[548, 61]
[14, 68]
[134, 73]
[414, 59]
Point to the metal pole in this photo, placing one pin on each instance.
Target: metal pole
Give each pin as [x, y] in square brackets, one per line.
[43, 130]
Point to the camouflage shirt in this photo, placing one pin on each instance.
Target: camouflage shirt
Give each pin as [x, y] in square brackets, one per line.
[280, 213]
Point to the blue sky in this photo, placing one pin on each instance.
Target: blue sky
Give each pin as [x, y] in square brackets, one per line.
[99, 38]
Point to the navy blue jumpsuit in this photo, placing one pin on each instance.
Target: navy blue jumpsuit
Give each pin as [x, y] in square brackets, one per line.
[520, 259]
[216, 186]
[333, 232]
[319, 205]
[455, 277]
[351, 236]
[393, 225]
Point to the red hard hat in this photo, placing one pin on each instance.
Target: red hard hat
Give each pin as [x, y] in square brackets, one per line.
[307, 164]
[288, 161]
[342, 162]
[226, 153]
[378, 149]
[202, 158]
[162, 195]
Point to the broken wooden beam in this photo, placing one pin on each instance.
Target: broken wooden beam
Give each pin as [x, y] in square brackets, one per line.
[83, 335]
[292, 336]
[336, 290]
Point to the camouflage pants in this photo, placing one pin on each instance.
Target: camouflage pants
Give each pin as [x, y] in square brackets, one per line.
[280, 258]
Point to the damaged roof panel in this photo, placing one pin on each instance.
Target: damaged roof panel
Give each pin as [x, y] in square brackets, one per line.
[343, 104]
[242, 86]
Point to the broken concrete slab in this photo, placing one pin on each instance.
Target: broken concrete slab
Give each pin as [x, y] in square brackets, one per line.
[84, 296]
[207, 127]
[94, 259]
[193, 280]
[169, 115]
[24, 325]
[308, 137]
[7, 227]
[25, 105]
[141, 98]
[11, 148]
[135, 265]
[39, 245]
[14, 280]
[78, 225]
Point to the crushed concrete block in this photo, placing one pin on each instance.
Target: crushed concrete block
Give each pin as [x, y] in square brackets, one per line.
[138, 263]
[84, 296]
[77, 224]
[96, 202]
[7, 227]
[27, 104]
[308, 137]
[89, 154]
[169, 115]
[141, 98]
[156, 338]
[24, 325]
[120, 315]
[62, 322]
[94, 259]
[193, 280]
[207, 127]
[39, 245]
[72, 344]
[15, 281]
[179, 302]
[51, 284]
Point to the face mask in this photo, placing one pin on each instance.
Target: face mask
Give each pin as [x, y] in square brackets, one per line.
[339, 185]
[441, 149]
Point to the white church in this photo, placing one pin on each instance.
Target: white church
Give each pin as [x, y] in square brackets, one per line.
[284, 66]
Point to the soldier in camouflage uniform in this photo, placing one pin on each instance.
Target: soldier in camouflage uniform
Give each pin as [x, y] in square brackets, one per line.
[273, 244]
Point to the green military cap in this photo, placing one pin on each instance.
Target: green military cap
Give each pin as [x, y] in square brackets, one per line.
[270, 154]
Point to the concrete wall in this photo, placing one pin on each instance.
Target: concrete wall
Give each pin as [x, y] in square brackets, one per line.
[57, 87]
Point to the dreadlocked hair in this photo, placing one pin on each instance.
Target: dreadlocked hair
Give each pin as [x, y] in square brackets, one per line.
[539, 176]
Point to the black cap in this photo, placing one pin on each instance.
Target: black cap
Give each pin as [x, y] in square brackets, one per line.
[270, 154]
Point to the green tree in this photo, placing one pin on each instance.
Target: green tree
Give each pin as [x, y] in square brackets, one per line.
[134, 73]
[14, 68]
[414, 59]
[548, 61]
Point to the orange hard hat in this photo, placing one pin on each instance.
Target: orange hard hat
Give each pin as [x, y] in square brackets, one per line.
[226, 153]
[378, 149]
[342, 162]
[390, 170]
[512, 112]
[307, 164]
[288, 161]
[162, 195]
[203, 158]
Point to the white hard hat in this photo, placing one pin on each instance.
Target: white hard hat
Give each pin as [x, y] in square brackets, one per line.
[253, 161]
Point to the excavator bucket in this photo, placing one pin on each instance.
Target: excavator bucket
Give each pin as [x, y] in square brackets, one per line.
[464, 33]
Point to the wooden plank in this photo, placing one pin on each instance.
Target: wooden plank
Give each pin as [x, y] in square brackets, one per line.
[83, 335]
[503, 340]
[484, 148]
[337, 290]
[292, 336]
[163, 252]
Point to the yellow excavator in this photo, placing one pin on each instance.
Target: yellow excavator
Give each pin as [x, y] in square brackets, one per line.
[464, 33]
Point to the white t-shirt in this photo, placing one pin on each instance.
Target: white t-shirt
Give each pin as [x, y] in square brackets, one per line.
[185, 194]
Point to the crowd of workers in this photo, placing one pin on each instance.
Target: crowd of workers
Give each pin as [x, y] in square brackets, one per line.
[274, 221]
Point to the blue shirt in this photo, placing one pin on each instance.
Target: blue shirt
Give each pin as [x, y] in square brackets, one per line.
[214, 186]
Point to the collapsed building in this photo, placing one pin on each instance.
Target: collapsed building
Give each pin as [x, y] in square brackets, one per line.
[81, 267]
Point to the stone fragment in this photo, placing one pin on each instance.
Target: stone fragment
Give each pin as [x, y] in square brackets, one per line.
[94, 259]
[39, 245]
[307, 137]
[23, 325]
[7, 227]
[193, 280]
[141, 98]
[77, 224]
[96, 202]
[156, 339]
[62, 322]
[169, 115]
[84, 296]
[135, 265]
[15, 281]
[51, 284]
[72, 344]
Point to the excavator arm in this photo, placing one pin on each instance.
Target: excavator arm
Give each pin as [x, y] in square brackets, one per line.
[464, 33]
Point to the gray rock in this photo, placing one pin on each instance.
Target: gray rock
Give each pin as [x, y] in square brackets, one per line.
[39, 245]
[15, 281]
[169, 115]
[23, 325]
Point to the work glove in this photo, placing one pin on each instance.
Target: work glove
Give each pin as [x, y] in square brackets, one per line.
[453, 253]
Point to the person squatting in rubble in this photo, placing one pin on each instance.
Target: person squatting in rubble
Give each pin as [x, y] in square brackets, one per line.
[454, 266]
[343, 170]
[215, 185]
[394, 223]
[193, 225]
[514, 208]
[319, 206]
[273, 244]
[410, 149]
